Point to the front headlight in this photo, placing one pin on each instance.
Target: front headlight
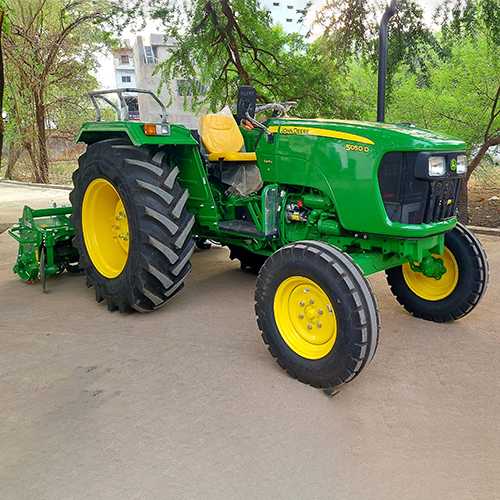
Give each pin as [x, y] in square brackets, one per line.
[461, 164]
[437, 166]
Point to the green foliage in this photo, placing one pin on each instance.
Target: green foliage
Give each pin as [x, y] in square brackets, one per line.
[461, 95]
[459, 99]
[50, 49]
[225, 44]
[352, 33]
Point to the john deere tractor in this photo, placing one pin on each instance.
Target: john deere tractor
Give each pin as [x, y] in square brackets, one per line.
[315, 206]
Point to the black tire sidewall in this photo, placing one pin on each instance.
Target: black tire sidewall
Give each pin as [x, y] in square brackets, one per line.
[455, 305]
[97, 166]
[331, 367]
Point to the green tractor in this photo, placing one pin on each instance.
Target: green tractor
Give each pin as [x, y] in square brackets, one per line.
[314, 206]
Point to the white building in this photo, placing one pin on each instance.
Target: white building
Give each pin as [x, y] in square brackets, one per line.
[134, 67]
[124, 67]
[125, 77]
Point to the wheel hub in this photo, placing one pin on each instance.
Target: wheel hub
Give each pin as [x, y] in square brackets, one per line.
[119, 226]
[429, 287]
[311, 314]
[305, 317]
[105, 228]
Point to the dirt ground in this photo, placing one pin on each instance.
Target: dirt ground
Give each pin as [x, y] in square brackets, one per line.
[186, 403]
[484, 209]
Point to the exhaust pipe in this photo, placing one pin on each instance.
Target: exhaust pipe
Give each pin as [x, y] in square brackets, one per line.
[382, 60]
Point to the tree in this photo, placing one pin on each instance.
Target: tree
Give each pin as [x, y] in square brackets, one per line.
[351, 31]
[476, 24]
[462, 89]
[49, 51]
[225, 44]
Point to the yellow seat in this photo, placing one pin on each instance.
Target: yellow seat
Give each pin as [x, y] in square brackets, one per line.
[223, 140]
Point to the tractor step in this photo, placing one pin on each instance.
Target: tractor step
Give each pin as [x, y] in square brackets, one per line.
[243, 227]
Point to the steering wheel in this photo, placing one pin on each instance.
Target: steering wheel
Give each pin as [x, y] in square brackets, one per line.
[277, 107]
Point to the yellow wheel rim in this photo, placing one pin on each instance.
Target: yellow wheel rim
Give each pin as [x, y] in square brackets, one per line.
[105, 228]
[305, 317]
[431, 288]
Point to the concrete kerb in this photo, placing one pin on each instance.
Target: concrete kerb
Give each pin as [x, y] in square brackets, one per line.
[34, 184]
[485, 230]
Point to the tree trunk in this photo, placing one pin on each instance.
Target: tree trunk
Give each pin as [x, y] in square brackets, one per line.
[36, 173]
[42, 168]
[14, 152]
[463, 202]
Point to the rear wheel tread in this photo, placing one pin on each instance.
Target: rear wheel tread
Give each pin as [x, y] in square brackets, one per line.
[144, 165]
[162, 194]
[162, 220]
[159, 256]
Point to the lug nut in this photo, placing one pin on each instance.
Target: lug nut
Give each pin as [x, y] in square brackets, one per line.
[301, 316]
[311, 301]
[320, 311]
[319, 325]
[302, 303]
[309, 327]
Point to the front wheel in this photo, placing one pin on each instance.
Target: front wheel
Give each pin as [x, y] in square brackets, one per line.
[459, 290]
[317, 313]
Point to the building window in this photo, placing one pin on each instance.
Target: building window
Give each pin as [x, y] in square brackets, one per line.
[276, 4]
[124, 60]
[126, 79]
[288, 20]
[149, 55]
[290, 6]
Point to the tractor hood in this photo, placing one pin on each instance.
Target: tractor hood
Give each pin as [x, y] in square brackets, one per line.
[382, 136]
[341, 159]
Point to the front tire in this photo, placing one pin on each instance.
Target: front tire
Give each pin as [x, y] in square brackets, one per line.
[317, 313]
[460, 289]
[131, 225]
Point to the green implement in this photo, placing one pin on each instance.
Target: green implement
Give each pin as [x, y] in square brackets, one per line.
[44, 238]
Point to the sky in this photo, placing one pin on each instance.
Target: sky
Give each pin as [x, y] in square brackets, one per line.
[106, 75]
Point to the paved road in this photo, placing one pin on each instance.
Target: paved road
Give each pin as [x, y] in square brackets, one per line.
[186, 403]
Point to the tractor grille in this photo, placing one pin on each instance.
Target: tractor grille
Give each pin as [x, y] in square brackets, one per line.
[442, 200]
[409, 200]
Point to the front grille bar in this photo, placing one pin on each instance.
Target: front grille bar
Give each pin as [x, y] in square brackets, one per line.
[437, 207]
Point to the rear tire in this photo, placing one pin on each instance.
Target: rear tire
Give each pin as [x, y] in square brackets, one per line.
[247, 259]
[317, 313]
[131, 225]
[430, 299]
